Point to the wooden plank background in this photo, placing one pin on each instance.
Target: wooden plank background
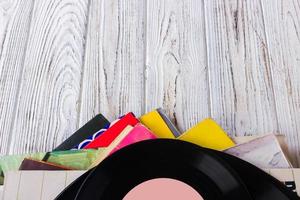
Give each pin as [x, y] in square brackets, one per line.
[64, 61]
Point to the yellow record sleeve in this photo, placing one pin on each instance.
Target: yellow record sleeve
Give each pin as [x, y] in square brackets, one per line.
[209, 134]
[156, 124]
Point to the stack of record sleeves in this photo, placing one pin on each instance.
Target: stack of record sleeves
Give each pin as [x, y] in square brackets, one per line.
[106, 160]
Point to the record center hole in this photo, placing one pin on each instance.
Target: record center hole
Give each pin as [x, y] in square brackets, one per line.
[162, 189]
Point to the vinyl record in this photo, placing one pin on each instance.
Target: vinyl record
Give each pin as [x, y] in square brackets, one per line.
[211, 177]
[213, 174]
[260, 184]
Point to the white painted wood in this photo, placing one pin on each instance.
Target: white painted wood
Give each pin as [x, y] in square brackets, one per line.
[8, 9]
[239, 69]
[1, 192]
[176, 65]
[50, 85]
[282, 174]
[14, 29]
[39, 185]
[11, 186]
[113, 79]
[71, 176]
[30, 186]
[53, 184]
[296, 173]
[64, 61]
[282, 25]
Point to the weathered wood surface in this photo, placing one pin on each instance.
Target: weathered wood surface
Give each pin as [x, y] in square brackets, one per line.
[63, 61]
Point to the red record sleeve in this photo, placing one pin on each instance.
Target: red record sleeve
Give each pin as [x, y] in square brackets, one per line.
[111, 133]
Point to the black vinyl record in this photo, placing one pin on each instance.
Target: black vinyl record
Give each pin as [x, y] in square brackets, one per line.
[213, 174]
[260, 184]
[118, 174]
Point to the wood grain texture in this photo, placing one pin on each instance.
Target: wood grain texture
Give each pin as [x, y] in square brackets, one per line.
[44, 185]
[113, 78]
[63, 61]
[282, 25]
[239, 70]
[176, 65]
[47, 110]
[8, 9]
[14, 30]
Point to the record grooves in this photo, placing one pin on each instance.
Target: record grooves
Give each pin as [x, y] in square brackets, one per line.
[213, 174]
